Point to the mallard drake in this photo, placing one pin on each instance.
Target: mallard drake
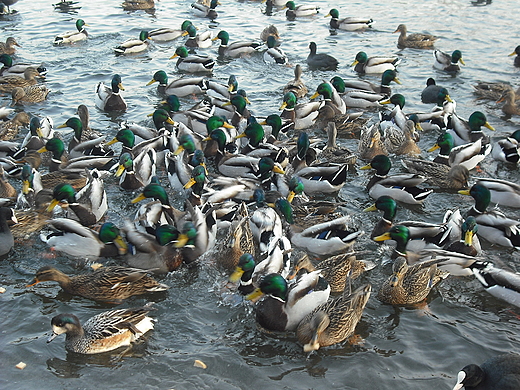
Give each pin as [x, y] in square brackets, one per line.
[401, 187]
[327, 238]
[370, 91]
[18, 69]
[235, 49]
[503, 192]
[466, 131]
[109, 98]
[348, 24]
[498, 372]
[165, 34]
[500, 283]
[29, 94]
[416, 40]
[104, 332]
[468, 155]
[286, 305]
[507, 149]
[430, 94]
[296, 86]
[106, 284]
[333, 321]
[331, 97]
[134, 5]
[9, 47]
[265, 222]
[192, 62]
[511, 107]
[205, 11]
[79, 148]
[243, 273]
[303, 115]
[76, 240]
[132, 45]
[294, 11]
[6, 237]
[138, 172]
[9, 128]
[409, 285]
[73, 36]
[274, 54]
[493, 225]
[320, 61]
[439, 175]
[8, 83]
[180, 87]
[198, 40]
[446, 62]
[335, 269]
[514, 53]
[463, 234]
[364, 64]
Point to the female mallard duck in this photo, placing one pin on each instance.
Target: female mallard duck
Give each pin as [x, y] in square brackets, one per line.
[239, 240]
[270, 30]
[446, 62]
[303, 115]
[165, 34]
[416, 41]
[286, 305]
[332, 322]
[373, 65]
[401, 187]
[136, 173]
[348, 24]
[9, 128]
[73, 36]
[400, 140]
[192, 62]
[30, 94]
[294, 11]
[335, 269]
[106, 284]
[492, 91]
[498, 372]
[515, 53]
[180, 87]
[8, 83]
[274, 54]
[409, 285]
[468, 155]
[464, 131]
[511, 107]
[109, 98]
[18, 69]
[6, 237]
[73, 238]
[6, 189]
[132, 45]
[134, 5]
[103, 332]
[235, 49]
[320, 61]
[507, 149]
[198, 40]
[296, 86]
[370, 143]
[9, 47]
[439, 175]
[205, 11]
[503, 192]
[493, 225]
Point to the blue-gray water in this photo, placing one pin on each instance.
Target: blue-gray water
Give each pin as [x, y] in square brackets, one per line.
[198, 318]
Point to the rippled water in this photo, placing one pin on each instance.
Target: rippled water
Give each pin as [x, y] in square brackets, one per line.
[198, 318]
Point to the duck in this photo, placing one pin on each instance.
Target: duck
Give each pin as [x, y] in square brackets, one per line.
[507, 149]
[370, 91]
[30, 94]
[493, 225]
[439, 175]
[499, 282]
[296, 86]
[399, 140]
[497, 372]
[401, 187]
[410, 285]
[337, 270]
[465, 131]
[332, 322]
[133, 5]
[446, 62]
[286, 305]
[9, 128]
[133, 46]
[180, 87]
[205, 11]
[192, 62]
[302, 115]
[9, 46]
[18, 69]
[238, 242]
[516, 53]
[331, 97]
[511, 107]
[503, 192]
[348, 24]
[136, 173]
[104, 332]
[373, 65]
[294, 11]
[266, 224]
[462, 234]
[198, 40]
[243, 273]
[492, 91]
[73, 36]
[468, 155]
[6, 236]
[8, 83]
[165, 34]
[235, 49]
[370, 143]
[416, 40]
[321, 61]
[109, 98]
[430, 94]
[274, 54]
[106, 284]
[6, 189]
